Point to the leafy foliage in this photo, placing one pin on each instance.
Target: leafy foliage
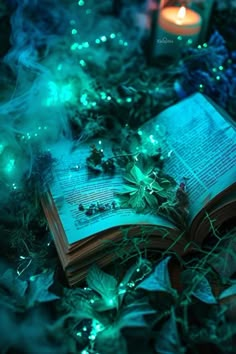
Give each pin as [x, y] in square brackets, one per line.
[224, 259]
[145, 187]
[177, 209]
[98, 163]
[159, 280]
[38, 289]
[231, 291]
[167, 339]
[22, 294]
[105, 285]
[199, 285]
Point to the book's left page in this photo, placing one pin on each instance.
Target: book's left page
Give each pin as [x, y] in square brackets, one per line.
[75, 189]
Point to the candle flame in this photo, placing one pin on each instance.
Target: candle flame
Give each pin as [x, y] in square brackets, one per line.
[181, 13]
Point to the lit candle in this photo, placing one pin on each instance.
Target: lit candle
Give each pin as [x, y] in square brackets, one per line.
[177, 27]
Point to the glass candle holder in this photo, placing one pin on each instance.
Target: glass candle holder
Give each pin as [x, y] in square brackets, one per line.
[178, 26]
[204, 9]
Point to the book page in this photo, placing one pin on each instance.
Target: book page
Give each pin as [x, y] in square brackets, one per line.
[74, 185]
[200, 146]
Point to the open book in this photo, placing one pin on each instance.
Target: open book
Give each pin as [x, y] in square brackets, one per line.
[199, 144]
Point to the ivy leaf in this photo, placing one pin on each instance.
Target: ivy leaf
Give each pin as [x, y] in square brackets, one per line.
[224, 261]
[199, 286]
[167, 340]
[38, 292]
[135, 324]
[12, 290]
[79, 304]
[227, 298]
[231, 291]
[12, 284]
[105, 285]
[110, 341]
[142, 266]
[159, 280]
[133, 315]
[85, 310]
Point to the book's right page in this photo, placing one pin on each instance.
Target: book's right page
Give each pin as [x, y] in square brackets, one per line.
[199, 146]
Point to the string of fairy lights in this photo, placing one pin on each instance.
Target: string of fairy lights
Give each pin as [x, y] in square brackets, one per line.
[95, 327]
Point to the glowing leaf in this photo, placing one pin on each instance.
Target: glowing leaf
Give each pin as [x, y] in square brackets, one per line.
[110, 341]
[134, 174]
[143, 187]
[137, 174]
[105, 285]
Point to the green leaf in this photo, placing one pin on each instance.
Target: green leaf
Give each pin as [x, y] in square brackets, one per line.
[165, 183]
[143, 265]
[105, 285]
[199, 286]
[111, 341]
[38, 292]
[136, 201]
[128, 177]
[124, 201]
[133, 315]
[14, 286]
[137, 174]
[128, 189]
[79, 304]
[156, 186]
[167, 340]
[151, 200]
[159, 280]
[224, 260]
[231, 291]
[145, 163]
[163, 193]
[84, 309]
